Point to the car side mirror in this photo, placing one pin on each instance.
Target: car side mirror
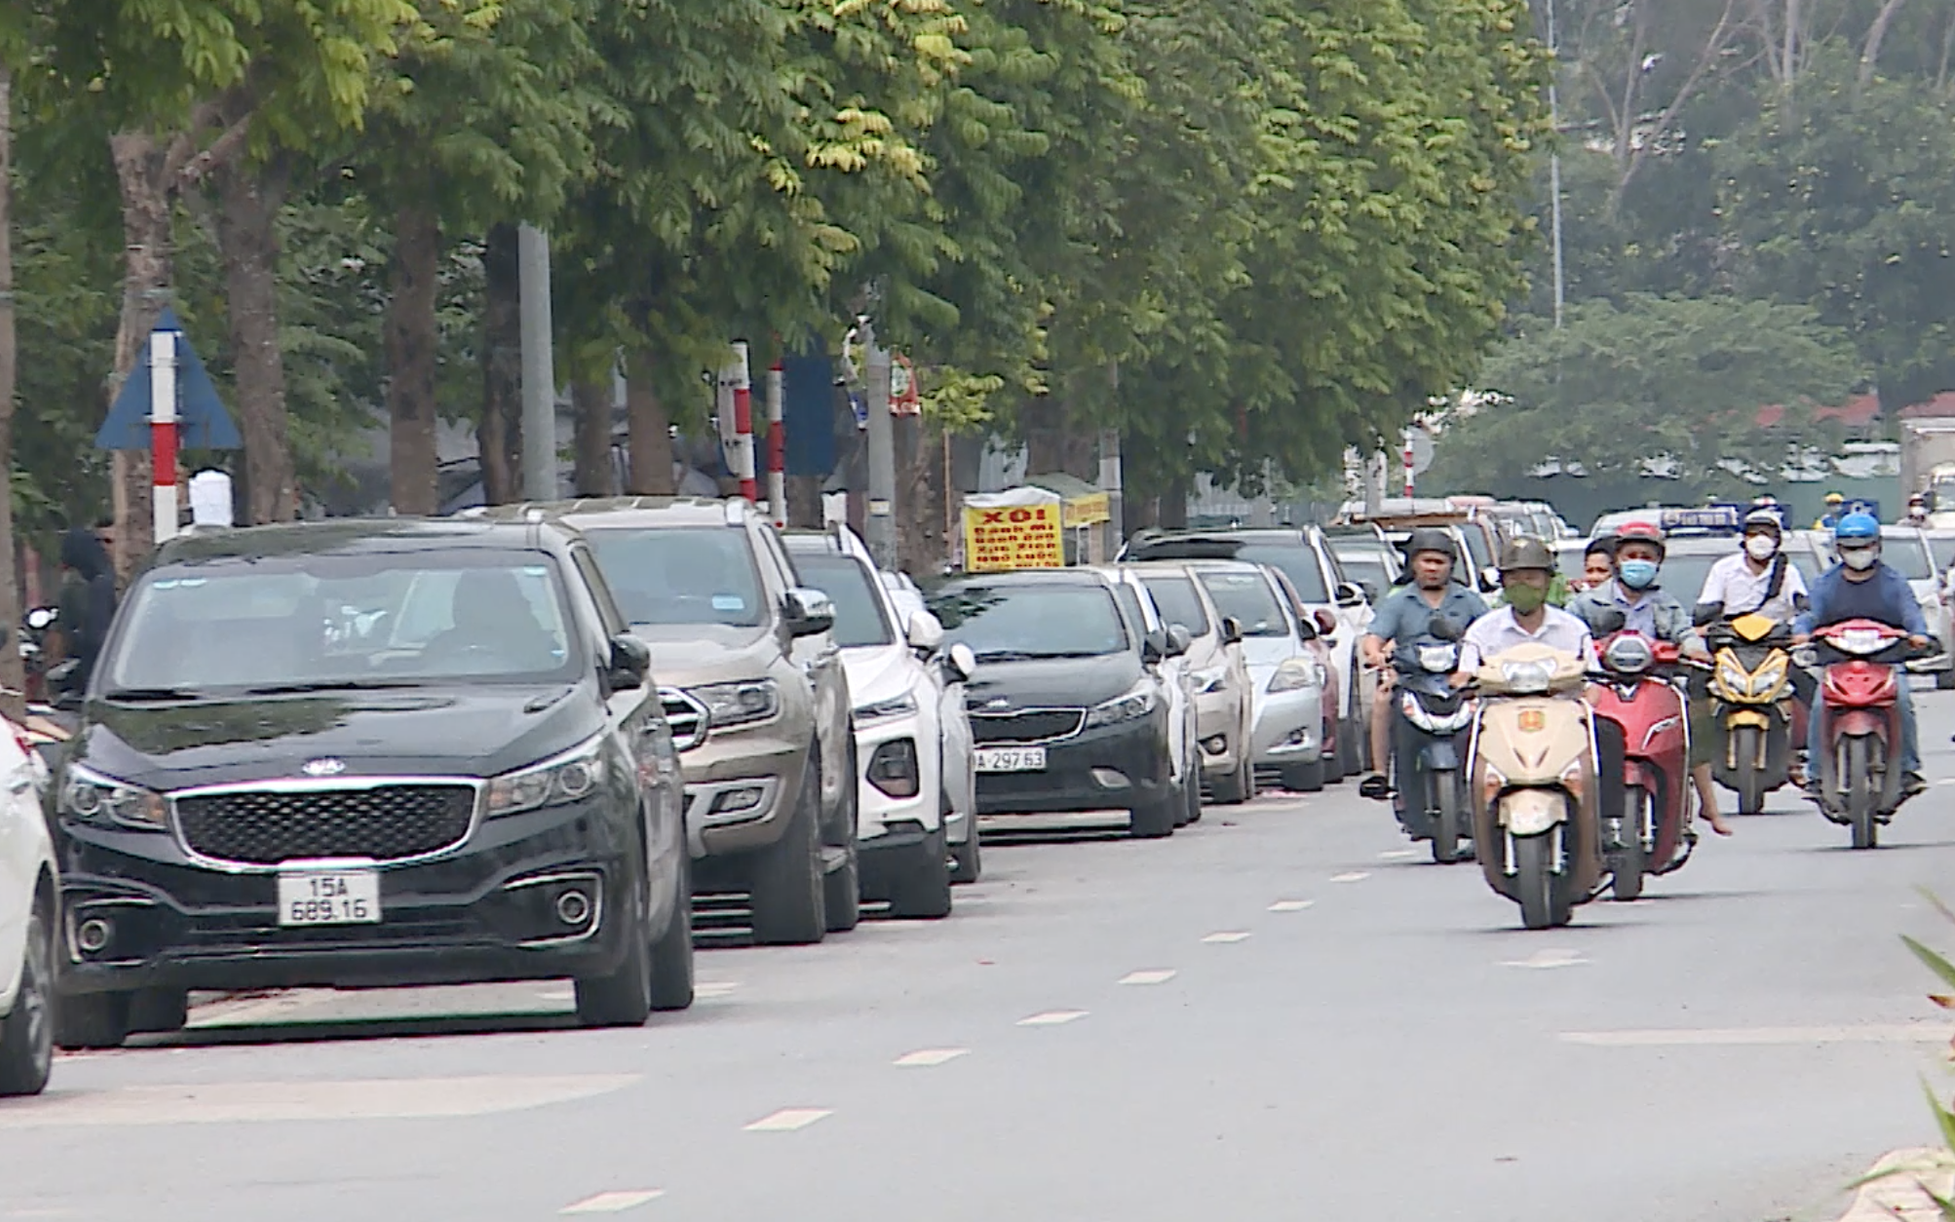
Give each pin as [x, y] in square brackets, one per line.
[1231, 630]
[1349, 595]
[1179, 640]
[925, 631]
[1489, 579]
[1370, 590]
[1326, 622]
[960, 663]
[1154, 646]
[808, 612]
[630, 660]
[1306, 629]
[1704, 614]
[40, 618]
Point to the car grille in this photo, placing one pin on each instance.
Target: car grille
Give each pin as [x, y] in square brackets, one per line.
[685, 717]
[1030, 726]
[383, 822]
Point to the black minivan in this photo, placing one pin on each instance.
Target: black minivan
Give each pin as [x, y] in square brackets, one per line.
[359, 753]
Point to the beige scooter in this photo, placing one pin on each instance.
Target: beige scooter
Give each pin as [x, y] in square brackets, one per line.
[1533, 783]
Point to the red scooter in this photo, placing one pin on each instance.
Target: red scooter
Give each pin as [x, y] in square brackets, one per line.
[1634, 694]
[1860, 724]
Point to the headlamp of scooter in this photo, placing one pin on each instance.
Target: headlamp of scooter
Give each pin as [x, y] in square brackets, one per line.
[1769, 678]
[1860, 642]
[1628, 654]
[1527, 678]
[1439, 659]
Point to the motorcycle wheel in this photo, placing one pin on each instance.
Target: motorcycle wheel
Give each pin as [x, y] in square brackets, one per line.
[1534, 882]
[1859, 787]
[1446, 815]
[1626, 874]
[1751, 792]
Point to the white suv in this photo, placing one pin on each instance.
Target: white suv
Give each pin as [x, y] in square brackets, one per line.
[29, 915]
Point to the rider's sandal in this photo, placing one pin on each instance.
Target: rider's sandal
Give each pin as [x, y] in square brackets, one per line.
[1375, 787]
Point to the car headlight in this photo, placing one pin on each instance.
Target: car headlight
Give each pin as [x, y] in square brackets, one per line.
[899, 706]
[93, 798]
[1135, 704]
[736, 704]
[1208, 682]
[559, 779]
[1294, 673]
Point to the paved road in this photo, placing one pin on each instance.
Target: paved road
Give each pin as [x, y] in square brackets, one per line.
[1278, 1015]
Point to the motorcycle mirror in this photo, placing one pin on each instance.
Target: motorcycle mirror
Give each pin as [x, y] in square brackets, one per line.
[1608, 620]
[1443, 627]
[1704, 614]
[40, 618]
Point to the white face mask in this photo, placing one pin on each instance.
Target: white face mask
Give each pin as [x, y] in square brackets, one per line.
[1761, 547]
[1859, 559]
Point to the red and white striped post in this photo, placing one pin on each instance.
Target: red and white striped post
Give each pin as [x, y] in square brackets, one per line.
[163, 431]
[777, 444]
[740, 453]
[1407, 454]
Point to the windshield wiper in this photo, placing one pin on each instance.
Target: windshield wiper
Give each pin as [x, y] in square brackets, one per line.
[1006, 655]
[1067, 653]
[152, 693]
[327, 685]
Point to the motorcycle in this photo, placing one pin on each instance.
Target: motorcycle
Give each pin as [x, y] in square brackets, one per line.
[1759, 723]
[1654, 717]
[1533, 784]
[49, 691]
[1431, 716]
[1860, 724]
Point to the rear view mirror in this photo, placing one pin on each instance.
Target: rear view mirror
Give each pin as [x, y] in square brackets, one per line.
[808, 612]
[630, 659]
[41, 618]
[1443, 627]
[1154, 647]
[960, 662]
[1607, 620]
[1705, 614]
[1489, 579]
[1231, 630]
[1349, 595]
[1179, 640]
[1306, 630]
[1326, 623]
[925, 631]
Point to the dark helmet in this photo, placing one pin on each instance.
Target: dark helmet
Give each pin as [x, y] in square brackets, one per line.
[1526, 552]
[1428, 539]
[1641, 532]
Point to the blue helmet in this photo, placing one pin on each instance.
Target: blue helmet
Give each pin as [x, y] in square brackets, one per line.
[1859, 526]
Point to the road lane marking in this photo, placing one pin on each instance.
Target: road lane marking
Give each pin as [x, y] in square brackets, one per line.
[1679, 1037]
[930, 1056]
[613, 1202]
[789, 1119]
[1290, 905]
[1156, 976]
[1350, 876]
[1051, 1018]
[252, 1102]
[713, 988]
[1398, 854]
[1228, 935]
[1544, 959]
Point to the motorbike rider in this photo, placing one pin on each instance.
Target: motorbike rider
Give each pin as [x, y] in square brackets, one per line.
[1861, 586]
[1917, 511]
[1648, 610]
[1835, 507]
[1400, 626]
[1760, 580]
[86, 603]
[1598, 562]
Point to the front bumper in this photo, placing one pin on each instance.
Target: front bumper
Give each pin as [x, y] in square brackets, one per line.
[1215, 719]
[486, 912]
[741, 787]
[1106, 768]
[1289, 727]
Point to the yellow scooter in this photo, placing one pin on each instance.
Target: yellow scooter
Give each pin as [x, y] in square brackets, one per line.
[1755, 714]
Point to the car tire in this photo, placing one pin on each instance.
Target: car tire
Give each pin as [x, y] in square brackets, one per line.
[1304, 778]
[27, 1033]
[159, 1011]
[1155, 819]
[672, 976]
[842, 893]
[967, 859]
[922, 890]
[92, 1020]
[623, 998]
[790, 891]
[1237, 787]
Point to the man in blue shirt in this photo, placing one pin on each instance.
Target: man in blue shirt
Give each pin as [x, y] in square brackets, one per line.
[1401, 626]
[1860, 586]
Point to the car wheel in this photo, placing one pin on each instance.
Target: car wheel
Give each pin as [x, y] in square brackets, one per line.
[623, 998]
[1192, 791]
[922, 890]
[967, 859]
[159, 1010]
[672, 953]
[1304, 778]
[92, 1020]
[842, 887]
[27, 1034]
[789, 888]
[1156, 818]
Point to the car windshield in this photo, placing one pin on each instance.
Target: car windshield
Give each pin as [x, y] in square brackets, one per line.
[1943, 546]
[1906, 554]
[859, 618]
[1019, 621]
[1476, 543]
[327, 621]
[1297, 560]
[681, 574]
[1179, 603]
[1248, 597]
[1369, 571]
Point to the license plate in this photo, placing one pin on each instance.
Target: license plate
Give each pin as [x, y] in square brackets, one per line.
[329, 897]
[1011, 759]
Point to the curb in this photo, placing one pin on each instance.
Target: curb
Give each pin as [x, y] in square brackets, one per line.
[1897, 1187]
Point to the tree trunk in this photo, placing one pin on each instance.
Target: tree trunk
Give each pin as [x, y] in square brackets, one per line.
[651, 432]
[143, 183]
[249, 198]
[410, 342]
[591, 404]
[11, 677]
[1870, 56]
[499, 439]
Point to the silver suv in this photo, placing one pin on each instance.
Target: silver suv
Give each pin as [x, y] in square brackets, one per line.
[755, 695]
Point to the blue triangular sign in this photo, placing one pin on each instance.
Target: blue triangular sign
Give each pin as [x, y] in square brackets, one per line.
[202, 422]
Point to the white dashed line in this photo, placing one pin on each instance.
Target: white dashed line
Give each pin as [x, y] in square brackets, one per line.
[1547, 959]
[1864, 1033]
[1051, 1018]
[1398, 854]
[930, 1056]
[1350, 876]
[789, 1119]
[1290, 905]
[1228, 935]
[613, 1202]
[1157, 976]
[713, 988]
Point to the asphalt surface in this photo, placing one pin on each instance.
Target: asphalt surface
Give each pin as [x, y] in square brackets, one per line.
[1278, 1014]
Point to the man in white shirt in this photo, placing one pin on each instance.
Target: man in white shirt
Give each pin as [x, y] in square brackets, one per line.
[1525, 618]
[1760, 579]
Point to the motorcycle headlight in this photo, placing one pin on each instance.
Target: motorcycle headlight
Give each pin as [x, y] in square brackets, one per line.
[1294, 673]
[1733, 676]
[1527, 678]
[1132, 706]
[559, 779]
[1770, 677]
[736, 704]
[900, 706]
[93, 798]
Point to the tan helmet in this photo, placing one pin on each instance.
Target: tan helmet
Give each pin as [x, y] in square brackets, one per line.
[1526, 552]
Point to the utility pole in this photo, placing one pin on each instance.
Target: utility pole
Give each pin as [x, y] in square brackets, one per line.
[1554, 161]
[1110, 483]
[539, 375]
[879, 524]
